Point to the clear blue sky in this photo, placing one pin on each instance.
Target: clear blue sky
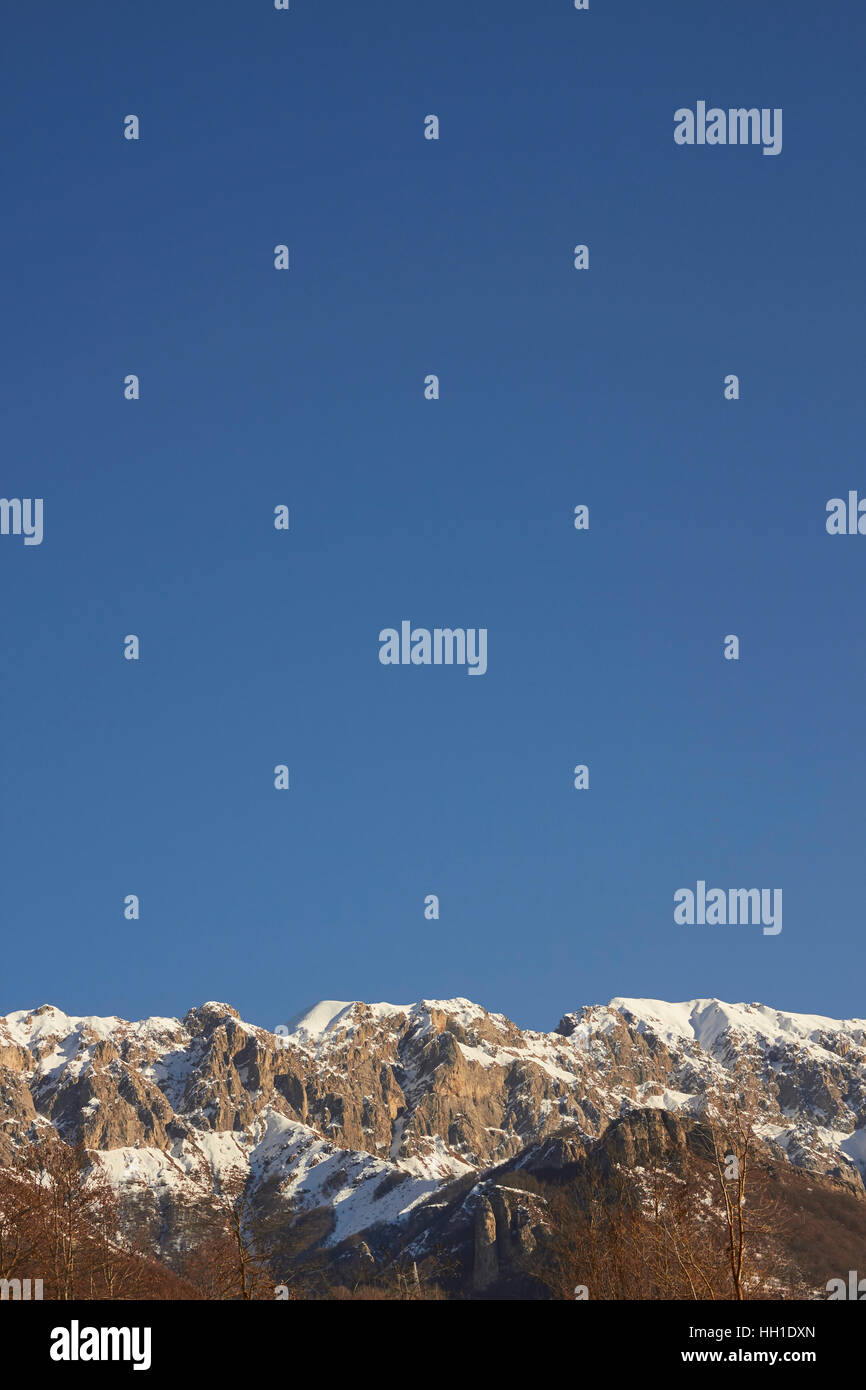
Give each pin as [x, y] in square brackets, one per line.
[306, 388]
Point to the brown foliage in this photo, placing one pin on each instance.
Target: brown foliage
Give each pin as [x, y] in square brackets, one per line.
[59, 1223]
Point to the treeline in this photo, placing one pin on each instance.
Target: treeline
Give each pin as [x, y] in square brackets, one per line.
[60, 1223]
[709, 1227]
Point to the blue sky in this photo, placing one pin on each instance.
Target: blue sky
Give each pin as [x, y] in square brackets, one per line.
[558, 387]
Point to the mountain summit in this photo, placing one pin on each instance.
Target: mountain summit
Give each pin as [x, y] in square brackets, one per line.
[369, 1113]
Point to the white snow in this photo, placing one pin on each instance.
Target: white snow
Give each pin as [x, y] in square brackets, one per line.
[27, 1027]
[668, 1100]
[330, 1014]
[704, 1020]
[702, 1034]
[854, 1146]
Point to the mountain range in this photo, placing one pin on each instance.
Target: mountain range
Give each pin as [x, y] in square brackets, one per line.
[380, 1132]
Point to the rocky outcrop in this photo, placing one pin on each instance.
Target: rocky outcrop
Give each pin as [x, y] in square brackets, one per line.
[372, 1110]
[509, 1223]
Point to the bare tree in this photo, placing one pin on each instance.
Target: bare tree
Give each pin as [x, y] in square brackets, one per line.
[230, 1260]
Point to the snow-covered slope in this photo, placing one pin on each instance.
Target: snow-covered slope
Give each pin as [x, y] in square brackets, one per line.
[368, 1109]
[704, 1021]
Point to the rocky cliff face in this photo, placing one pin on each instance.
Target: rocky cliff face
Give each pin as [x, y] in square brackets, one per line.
[371, 1111]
